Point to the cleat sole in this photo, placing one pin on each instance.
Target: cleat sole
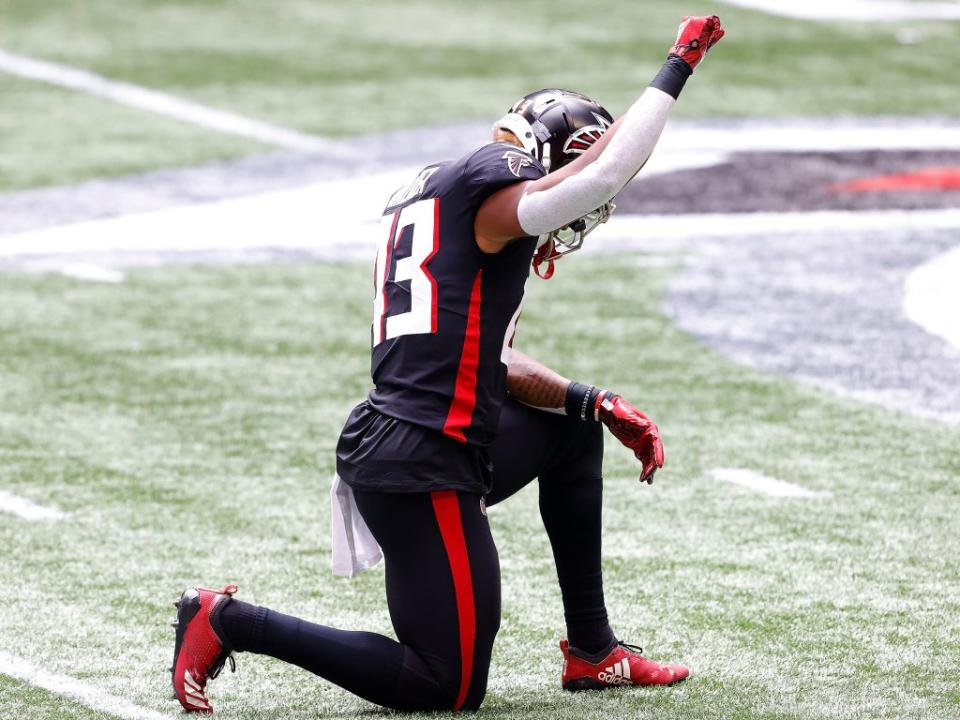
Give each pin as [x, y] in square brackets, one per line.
[187, 607]
[586, 683]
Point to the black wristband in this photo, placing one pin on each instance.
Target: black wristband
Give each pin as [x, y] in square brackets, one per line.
[580, 401]
[672, 76]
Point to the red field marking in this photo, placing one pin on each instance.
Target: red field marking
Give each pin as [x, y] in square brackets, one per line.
[936, 179]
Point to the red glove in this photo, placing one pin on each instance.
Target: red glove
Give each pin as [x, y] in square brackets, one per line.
[696, 36]
[633, 429]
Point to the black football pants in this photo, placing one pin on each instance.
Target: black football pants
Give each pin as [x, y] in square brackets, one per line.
[443, 575]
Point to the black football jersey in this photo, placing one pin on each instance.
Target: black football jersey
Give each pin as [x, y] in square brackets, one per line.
[444, 311]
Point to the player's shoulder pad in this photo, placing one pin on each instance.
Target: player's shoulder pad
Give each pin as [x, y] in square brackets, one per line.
[497, 160]
[413, 189]
[495, 166]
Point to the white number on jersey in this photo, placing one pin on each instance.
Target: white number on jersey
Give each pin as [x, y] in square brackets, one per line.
[421, 318]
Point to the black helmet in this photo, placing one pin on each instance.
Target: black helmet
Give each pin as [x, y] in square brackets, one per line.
[556, 125]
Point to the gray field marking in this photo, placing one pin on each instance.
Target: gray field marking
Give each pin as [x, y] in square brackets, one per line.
[824, 308]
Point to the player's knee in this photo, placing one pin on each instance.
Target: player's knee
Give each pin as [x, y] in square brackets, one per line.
[443, 691]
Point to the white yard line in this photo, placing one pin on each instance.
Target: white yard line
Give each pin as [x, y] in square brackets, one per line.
[932, 296]
[93, 273]
[641, 231]
[160, 103]
[764, 484]
[860, 10]
[23, 508]
[85, 694]
[801, 135]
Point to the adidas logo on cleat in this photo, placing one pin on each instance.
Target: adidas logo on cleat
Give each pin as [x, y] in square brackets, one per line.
[194, 694]
[616, 674]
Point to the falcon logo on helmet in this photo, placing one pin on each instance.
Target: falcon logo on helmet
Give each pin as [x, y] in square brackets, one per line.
[516, 161]
[555, 126]
[582, 139]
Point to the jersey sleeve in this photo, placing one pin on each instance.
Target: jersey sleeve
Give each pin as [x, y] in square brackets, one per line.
[494, 167]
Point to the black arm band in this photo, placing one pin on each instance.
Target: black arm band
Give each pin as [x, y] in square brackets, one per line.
[672, 76]
[580, 401]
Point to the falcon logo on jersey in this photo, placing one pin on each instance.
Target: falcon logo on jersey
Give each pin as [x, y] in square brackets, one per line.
[516, 161]
[582, 139]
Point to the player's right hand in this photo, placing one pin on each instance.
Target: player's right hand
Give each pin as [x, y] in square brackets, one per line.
[696, 36]
[634, 429]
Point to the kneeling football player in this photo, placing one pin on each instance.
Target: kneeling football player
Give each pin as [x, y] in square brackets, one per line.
[458, 420]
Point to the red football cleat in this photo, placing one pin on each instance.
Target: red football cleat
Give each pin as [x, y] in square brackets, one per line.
[623, 665]
[200, 651]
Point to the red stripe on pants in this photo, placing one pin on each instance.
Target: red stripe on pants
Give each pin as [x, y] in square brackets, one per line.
[464, 400]
[446, 506]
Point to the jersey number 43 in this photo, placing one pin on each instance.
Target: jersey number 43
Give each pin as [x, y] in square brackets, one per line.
[422, 219]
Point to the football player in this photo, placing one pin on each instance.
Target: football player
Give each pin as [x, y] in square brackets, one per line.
[459, 420]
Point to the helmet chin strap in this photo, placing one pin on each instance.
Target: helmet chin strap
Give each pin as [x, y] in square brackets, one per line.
[554, 245]
[544, 253]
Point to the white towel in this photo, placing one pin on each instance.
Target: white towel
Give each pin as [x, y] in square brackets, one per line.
[353, 546]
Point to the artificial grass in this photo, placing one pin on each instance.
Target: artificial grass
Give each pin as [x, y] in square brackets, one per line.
[185, 421]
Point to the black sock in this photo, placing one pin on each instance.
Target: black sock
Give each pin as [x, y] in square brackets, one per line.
[571, 515]
[242, 624]
[588, 628]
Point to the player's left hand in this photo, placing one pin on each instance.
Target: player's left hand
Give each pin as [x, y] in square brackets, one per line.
[633, 429]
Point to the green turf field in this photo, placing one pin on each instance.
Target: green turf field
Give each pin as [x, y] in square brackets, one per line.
[185, 419]
[347, 68]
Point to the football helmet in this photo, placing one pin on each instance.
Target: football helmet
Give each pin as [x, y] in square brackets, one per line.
[555, 126]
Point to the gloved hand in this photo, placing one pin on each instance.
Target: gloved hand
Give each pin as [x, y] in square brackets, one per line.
[696, 36]
[633, 429]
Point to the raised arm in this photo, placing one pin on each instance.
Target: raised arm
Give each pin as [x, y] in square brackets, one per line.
[535, 384]
[557, 199]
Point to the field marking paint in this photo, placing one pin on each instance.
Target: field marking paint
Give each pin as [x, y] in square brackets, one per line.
[27, 510]
[764, 484]
[162, 103]
[93, 273]
[643, 229]
[340, 219]
[340, 216]
[860, 10]
[85, 694]
[818, 135]
[931, 297]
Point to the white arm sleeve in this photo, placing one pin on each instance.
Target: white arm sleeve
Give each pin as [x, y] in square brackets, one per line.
[575, 196]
